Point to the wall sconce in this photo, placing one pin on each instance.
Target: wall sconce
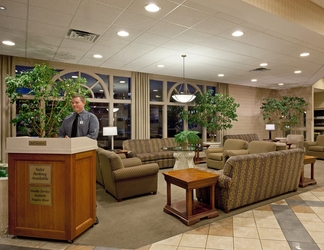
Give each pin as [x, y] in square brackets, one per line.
[110, 131]
[270, 127]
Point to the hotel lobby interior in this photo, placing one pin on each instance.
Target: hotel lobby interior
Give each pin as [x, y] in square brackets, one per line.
[279, 52]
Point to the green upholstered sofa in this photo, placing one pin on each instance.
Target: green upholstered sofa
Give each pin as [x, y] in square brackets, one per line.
[126, 177]
[247, 179]
[150, 150]
[315, 148]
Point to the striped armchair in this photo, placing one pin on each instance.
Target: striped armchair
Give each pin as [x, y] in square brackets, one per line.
[247, 179]
[124, 178]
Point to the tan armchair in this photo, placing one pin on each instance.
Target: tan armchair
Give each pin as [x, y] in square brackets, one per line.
[215, 156]
[315, 148]
[255, 147]
[295, 141]
[124, 178]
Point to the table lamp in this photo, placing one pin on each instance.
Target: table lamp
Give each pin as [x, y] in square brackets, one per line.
[110, 131]
[270, 127]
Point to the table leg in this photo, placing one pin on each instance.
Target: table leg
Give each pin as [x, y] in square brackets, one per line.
[312, 171]
[212, 197]
[189, 197]
[302, 176]
[168, 193]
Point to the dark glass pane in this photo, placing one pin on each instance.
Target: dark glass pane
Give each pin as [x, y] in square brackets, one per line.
[156, 91]
[122, 87]
[156, 121]
[122, 121]
[175, 122]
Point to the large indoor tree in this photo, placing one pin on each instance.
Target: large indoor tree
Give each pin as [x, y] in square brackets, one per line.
[212, 111]
[48, 101]
[285, 112]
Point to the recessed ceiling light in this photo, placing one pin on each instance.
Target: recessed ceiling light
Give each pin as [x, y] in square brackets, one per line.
[100, 90]
[74, 77]
[152, 7]
[155, 90]
[97, 56]
[158, 96]
[254, 80]
[281, 84]
[237, 33]
[297, 71]
[2, 8]
[122, 81]
[263, 64]
[9, 43]
[304, 54]
[220, 75]
[122, 33]
[160, 66]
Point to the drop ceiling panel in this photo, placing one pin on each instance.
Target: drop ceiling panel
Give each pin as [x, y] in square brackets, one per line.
[185, 17]
[48, 16]
[166, 29]
[46, 29]
[200, 29]
[12, 23]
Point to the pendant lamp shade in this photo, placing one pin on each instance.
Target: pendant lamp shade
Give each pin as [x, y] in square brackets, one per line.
[183, 96]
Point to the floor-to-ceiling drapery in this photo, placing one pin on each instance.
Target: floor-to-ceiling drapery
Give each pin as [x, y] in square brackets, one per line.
[141, 114]
[6, 68]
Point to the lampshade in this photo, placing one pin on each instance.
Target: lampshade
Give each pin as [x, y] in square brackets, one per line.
[270, 127]
[184, 96]
[108, 131]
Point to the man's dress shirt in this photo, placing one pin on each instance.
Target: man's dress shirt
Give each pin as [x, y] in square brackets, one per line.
[88, 125]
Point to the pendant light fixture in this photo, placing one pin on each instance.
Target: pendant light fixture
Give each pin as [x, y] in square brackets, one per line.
[183, 96]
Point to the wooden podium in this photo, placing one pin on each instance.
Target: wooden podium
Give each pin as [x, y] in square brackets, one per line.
[52, 186]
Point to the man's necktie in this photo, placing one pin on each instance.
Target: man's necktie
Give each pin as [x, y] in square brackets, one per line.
[75, 126]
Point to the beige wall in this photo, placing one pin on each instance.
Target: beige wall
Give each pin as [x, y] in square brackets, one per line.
[250, 118]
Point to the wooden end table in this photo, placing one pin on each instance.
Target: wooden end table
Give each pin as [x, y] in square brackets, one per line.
[191, 211]
[304, 182]
[198, 159]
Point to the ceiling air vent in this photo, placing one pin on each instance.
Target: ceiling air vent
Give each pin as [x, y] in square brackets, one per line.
[259, 69]
[79, 34]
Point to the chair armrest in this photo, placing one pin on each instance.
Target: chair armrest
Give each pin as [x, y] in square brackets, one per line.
[136, 171]
[236, 152]
[224, 181]
[122, 156]
[213, 150]
[307, 144]
[131, 162]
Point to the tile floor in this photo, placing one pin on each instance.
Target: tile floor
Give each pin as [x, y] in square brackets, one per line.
[294, 223]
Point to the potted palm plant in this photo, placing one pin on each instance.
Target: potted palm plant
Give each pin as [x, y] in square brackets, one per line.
[212, 111]
[187, 138]
[42, 114]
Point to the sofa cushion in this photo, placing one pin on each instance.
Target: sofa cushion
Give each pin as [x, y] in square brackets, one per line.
[168, 142]
[164, 155]
[245, 137]
[316, 148]
[147, 157]
[256, 147]
[320, 140]
[216, 156]
[153, 145]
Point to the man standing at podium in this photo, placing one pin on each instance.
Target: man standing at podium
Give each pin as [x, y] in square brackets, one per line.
[81, 122]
